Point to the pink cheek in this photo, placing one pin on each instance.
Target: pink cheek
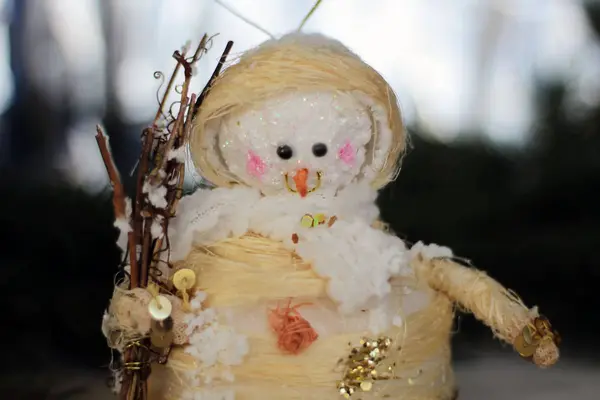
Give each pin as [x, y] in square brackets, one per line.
[347, 153]
[255, 166]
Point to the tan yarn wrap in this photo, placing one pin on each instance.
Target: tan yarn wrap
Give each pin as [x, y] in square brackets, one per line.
[127, 318]
[251, 271]
[490, 302]
[293, 63]
[479, 294]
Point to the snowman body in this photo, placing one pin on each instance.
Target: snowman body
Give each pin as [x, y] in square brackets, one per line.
[299, 292]
[341, 276]
[301, 226]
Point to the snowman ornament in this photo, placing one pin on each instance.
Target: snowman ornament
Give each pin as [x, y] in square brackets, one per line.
[300, 291]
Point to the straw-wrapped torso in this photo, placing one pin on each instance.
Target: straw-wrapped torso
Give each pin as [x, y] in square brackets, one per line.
[246, 277]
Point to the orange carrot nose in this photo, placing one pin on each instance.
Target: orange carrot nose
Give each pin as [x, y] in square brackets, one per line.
[300, 180]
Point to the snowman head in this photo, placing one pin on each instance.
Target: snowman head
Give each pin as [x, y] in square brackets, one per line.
[301, 114]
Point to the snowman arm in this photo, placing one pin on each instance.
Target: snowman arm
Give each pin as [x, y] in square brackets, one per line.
[491, 303]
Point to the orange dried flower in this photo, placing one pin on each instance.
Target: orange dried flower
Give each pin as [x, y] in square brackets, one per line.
[294, 333]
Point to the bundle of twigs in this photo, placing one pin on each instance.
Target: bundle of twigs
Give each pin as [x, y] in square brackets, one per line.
[160, 179]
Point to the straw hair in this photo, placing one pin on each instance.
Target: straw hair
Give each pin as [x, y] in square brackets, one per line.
[296, 62]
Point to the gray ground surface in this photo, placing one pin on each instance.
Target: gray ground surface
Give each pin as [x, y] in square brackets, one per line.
[507, 378]
[486, 377]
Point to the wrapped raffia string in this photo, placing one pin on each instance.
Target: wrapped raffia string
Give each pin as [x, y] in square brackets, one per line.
[503, 311]
[159, 187]
[244, 277]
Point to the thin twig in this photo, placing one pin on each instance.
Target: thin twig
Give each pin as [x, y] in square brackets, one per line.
[187, 128]
[159, 112]
[201, 48]
[118, 196]
[155, 168]
[138, 220]
[113, 174]
[214, 75]
[147, 237]
[175, 195]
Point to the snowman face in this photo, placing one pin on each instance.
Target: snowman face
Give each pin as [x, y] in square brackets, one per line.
[298, 142]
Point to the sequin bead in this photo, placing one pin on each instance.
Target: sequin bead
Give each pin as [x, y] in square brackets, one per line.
[361, 366]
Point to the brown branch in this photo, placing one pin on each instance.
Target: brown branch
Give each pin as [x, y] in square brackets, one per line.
[214, 75]
[138, 221]
[120, 212]
[195, 57]
[113, 174]
[156, 178]
[166, 93]
[146, 252]
[187, 128]
[175, 194]
[118, 197]
[200, 48]
[155, 151]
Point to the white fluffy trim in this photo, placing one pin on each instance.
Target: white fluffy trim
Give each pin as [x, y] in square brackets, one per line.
[358, 259]
[124, 226]
[216, 347]
[430, 251]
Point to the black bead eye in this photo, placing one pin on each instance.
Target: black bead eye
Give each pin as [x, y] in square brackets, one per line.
[285, 152]
[319, 149]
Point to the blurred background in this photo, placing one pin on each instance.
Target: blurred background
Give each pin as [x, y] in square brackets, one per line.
[502, 98]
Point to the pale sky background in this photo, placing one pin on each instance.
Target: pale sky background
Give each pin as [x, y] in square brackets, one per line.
[464, 65]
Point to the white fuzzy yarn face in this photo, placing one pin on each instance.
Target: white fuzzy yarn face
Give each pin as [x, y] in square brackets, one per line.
[324, 132]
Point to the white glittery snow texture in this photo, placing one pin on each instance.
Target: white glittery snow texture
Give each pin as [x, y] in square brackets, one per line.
[156, 229]
[124, 226]
[299, 120]
[156, 194]
[177, 154]
[215, 346]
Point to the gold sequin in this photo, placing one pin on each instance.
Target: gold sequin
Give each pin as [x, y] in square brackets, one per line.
[307, 221]
[184, 280]
[361, 366]
[160, 308]
[532, 335]
[319, 219]
[311, 221]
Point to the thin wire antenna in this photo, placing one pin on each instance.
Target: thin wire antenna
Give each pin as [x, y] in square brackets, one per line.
[310, 13]
[246, 20]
